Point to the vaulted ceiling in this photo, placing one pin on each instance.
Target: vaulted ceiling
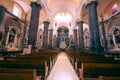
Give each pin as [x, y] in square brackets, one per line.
[74, 7]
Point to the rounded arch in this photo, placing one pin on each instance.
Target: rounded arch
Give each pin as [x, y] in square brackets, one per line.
[13, 23]
[62, 25]
[112, 23]
[43, 14]
[113, 29]
[62, 11]
[82, 11]
[50, 2]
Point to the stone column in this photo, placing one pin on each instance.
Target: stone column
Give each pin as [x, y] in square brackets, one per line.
[50, 38]
[80, 35]
[75, 38]
[95, 46]
[6, 37]
[45, 34]
[104, 37]
[2, 14]
[23, 38]
[33, 29]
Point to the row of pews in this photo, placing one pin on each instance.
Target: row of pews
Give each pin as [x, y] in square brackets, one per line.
[34, 66]
[10, 53]
[94, 67]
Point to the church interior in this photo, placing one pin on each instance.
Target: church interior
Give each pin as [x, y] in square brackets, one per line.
[59, 39]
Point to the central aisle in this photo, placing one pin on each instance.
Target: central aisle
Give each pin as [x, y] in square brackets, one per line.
[62, 69]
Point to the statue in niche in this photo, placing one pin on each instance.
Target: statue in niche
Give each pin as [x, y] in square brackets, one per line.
[62, 33]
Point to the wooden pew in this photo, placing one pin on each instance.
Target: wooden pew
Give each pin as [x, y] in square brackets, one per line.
[11, 53]
[49, 56]
[17, 74]
[108, 78]
[40, 67]
[46, 59]
[94, 70]
[93, 59]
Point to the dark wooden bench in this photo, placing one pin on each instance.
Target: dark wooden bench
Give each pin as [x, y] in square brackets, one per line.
[97, 59]
[10, 53]
[94, 70]
[40, 67]
[31, 58]
[17, 74]
[49, 56]
[109, 78]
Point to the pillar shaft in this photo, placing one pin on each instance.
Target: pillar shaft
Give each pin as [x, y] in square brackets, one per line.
[33, 29]
[50, 37]
[104, 37]
[92, 41]
[95, 46]
[45, 34]
[2, 14]
[75, 37]
[24, 34]
[80, 34]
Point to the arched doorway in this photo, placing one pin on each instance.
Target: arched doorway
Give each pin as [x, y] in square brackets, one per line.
[114, 38]
[63, 36]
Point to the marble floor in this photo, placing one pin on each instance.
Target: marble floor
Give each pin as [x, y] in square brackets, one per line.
[62, 70]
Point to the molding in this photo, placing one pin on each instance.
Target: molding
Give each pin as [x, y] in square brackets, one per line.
[78, 20]
[89, 1]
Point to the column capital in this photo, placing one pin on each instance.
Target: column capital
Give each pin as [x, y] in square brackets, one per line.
[79, 22]
[35, 4]
[1, 6]
[89, 2]
[48, 22]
